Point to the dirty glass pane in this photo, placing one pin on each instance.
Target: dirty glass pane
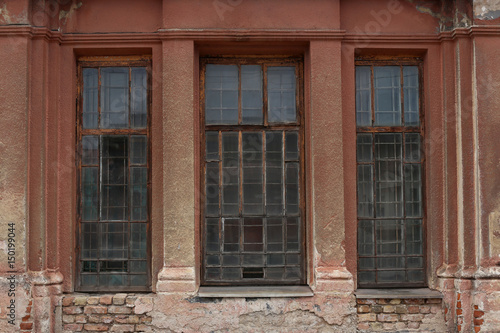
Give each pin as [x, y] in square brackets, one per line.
[221, 94]
[415, 275]
[138, 149]
[414, 238]
[212, 146]
[365, 191]
[251, 94]
[212, 235]
[292, 146]
[89, 241]
[114, 97]
[90, 150]
[412, 147]
[90, 97]
[138, 241]
[90, 183]
[114, 241]
[231, 238]
[113, 280]
[390, 237]
[114, 169]
[138, 97]
[364, 149]
[292, 233]
[274, 173]
[275, 233]
[138, 266]
[292, 188]
[366, 240]
[411, 98]
[231, 273]
[89, 279]
[387, 90]
[253, 234]
[391, 276]
[281, 88]
[363, 96]
[252, 173]
[413, 190]
[388, 175]
[139, 193]
[230, 174]
[212, 189]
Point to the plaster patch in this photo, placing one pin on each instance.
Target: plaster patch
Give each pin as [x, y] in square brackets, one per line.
[4, 13]
[494, 233]
[487, 9]
[64, 15]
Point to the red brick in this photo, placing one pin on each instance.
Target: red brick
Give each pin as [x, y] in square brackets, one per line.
[459, 304]
[81, 319]
[458, 297]
[387, 317]
[28, 309]
[67, 301]
[425, 309]
[363, 326]
[363, 308]
[107, 319]
[122, 328]
[26, 326]
[367, 317]
[414, 301]
[72, 310]
[106, 299]
[413, 309]
[383, 301]
[413, 325]
[96, 327]
[73, 327]
[476, 307]
[459, 328]
[26, 318]
[412, 317]
[478, 314]
[478, 322]
[477, 329]
[365, 301]
[121, 319]
[119, 309]
[459, 312]
[99, 309]
[433, 301]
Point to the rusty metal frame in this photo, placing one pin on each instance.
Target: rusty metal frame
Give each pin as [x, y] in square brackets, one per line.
[264, 62]
[372, 61]
[99, 62]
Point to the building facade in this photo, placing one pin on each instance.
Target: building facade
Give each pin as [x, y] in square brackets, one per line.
[249, 166]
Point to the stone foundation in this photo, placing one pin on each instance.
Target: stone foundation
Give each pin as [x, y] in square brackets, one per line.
[395, 315]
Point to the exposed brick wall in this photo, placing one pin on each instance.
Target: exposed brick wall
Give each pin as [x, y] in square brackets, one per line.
[388, 315]
[106, 313]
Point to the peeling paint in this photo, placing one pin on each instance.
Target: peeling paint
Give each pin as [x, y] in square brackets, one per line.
[486, 9]
[64, 15]
[4, 13]
[446, 21]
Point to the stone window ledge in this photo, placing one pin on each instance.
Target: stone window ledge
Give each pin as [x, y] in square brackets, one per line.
[256, 291]
[398, 293]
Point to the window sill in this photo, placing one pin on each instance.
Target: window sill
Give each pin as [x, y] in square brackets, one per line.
[398, 293]
[256, 291]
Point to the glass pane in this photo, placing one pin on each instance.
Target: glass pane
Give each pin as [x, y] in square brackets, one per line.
[365, 191]
[212, 146]
[90, 183]
[139, 193]
[366, 240]
[388, 175]
[114, 241]
[90, 150]
[281, 88]
[275, 234]
[212, 235]
[138, 149]
[253, 234]
[138, 241]
[90, 97]
[292, 146]
[412, 147]
[364, 149]
[293, 234]
[112, 280]
[114, 97]
[391, 262]
[252, 173]
[89, 241]
[292, 188]
[231, 273]
[413, 192]
[390, 237]
[411, 98]
[363, 96]
[139, 280]
[231, 235]
[414, 240]
[416, 275]
[221, 94]
[114, 166]
[230, 174]
[212, 189]
[139, 97]
[251, 94]
[274, 173]
[391, 276]
[387, 80]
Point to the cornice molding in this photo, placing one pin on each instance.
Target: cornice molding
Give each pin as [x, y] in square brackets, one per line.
[242, 35]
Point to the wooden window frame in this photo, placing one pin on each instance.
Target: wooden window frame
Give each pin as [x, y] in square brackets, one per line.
[298, 126]
[99, 62]
[374, 61]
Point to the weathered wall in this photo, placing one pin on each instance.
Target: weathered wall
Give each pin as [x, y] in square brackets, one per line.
[40, 42]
